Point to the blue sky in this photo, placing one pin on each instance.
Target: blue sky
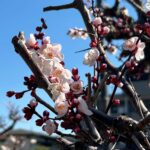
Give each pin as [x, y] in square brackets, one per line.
[24, 15]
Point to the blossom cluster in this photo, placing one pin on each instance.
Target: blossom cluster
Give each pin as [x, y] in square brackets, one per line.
[66, 87]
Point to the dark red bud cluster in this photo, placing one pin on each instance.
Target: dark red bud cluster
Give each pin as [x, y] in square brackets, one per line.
[30, 109]
[114, 80]
[39, 29]
[75, 75]
[10, 93]
[39, 122]
[102, 67]
[17, 95]
[39, 36]
[71, 121]
[94, 79]
[30, 82]
[130, 65]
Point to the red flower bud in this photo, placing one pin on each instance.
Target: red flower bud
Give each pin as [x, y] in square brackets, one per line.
[94, 79]
[10, 93]
[39, 29]
[75, 71]
[39, 122]
[46, 113]
[116, 102]
[19, 95]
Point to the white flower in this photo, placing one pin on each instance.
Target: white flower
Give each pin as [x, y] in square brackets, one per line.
[139, 55]
[131, 45]
[49, 51]
[66, 75]
[83, 107]
[50, 127]
[77, 87]
[61, 107]
[31, 41]
[46, 40]
[61, 97]
[97, 21]
[56, 89]
[90, 57]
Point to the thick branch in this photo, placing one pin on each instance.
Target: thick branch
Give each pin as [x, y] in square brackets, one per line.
[127, 88]
[93, 131]
[40, 78]
[142, 123]
[137, 6]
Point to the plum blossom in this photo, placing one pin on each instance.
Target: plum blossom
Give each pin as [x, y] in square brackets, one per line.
[133, 44]
[46, 40]
[83, 107]
[31, 41]
[56, 89]
[49, 51]
[97, 21]
[77, 87]
[49, 127]
[77, 33]
[61, 107]
[91, 56]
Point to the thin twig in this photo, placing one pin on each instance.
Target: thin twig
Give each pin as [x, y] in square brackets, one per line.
[61, 7]
[38, 99]
[89, 89]
[100, 86]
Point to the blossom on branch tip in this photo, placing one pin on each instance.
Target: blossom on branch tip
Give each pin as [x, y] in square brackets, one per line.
[136, 46]
[91, 56]
[61, 107]
[77, 87]
[31, 42]
[49, 127]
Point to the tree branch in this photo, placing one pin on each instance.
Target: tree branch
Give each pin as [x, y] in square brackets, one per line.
[137, 6]
[38, 99]
[9, 128]
[67, 6]
[21, 48]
